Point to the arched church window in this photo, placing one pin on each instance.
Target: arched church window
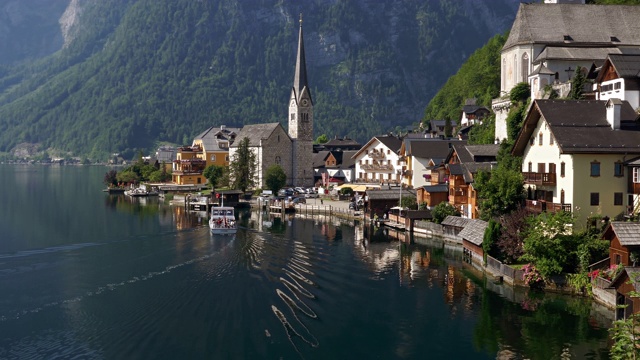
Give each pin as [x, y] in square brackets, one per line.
[525, 67]
[277, 160]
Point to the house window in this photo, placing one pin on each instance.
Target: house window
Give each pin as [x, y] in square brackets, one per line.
[552, 168]
[617, 198]
[388, 152]
[551, 140]
[618, 169]
[618, 259]
[530, 167]
[562, 196]
[595, 199]
[226, 158]
[213, 158]
[562, 169]
[595, 169]
[636, 175]
[533, 140]
[540, 139]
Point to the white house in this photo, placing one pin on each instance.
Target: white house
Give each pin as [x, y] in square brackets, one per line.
[378, 161]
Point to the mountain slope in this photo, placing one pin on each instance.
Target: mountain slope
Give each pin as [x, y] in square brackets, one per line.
[135, 72]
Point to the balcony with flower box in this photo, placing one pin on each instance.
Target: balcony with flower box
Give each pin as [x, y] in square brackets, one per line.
[189, 166]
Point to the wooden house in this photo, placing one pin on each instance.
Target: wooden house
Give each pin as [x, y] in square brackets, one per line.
[627, 281]
[472, 235]
[624, 238]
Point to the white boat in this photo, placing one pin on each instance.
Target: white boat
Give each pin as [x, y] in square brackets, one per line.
[141, 191]
[223, 220]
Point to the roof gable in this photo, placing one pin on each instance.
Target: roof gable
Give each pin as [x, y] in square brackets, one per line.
[580, 126]
[258, 132]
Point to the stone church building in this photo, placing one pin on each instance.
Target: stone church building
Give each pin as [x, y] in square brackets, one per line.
[293, 149]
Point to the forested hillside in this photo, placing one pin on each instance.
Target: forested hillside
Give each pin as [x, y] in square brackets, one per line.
[137, 72]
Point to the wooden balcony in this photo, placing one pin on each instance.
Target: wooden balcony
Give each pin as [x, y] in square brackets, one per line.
[539, 206]
[539, 178]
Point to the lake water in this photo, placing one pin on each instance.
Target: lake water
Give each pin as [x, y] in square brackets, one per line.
[85, 275]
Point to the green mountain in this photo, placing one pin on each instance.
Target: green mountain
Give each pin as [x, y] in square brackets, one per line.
[132, 73]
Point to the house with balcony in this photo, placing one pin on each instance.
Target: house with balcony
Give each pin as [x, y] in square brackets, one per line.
[577, 156]
[419, 155]
[211, 147]
[461, 165]
[378, 161]
[473, 114]
[619, 78]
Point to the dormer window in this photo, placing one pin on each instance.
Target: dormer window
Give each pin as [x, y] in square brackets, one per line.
[568, 38]
[615, 39]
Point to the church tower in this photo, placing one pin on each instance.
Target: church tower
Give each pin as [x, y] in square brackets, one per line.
[301, 121]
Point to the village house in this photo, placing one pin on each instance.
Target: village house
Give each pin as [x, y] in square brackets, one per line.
[624, 238]
[618, 79]
[335, 166]
[626, 282]
[548, 42]
[418, 153]
[575, 154]
[472, 236]
[473, 114]
[211, 147]
[378, 161]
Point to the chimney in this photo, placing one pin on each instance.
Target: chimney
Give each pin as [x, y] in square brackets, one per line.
[614, 107]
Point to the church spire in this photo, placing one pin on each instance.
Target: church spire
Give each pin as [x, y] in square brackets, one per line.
[300, 77]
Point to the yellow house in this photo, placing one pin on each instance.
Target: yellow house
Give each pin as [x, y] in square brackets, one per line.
[210, 147]
[574, 156]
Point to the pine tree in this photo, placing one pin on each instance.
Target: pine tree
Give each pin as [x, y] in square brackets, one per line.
[243, 167]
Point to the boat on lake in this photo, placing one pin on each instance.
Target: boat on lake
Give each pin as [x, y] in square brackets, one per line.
[142, 190]
[223, 220]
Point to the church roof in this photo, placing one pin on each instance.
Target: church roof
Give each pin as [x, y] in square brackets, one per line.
[256, 133]
[300, 81]
[575, 54]
[616, 25]
[542, 70]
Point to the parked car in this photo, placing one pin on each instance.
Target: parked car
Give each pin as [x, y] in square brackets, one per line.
[299, 200]
[311, 195]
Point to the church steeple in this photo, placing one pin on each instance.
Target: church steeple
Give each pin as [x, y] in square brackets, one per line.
[300, 78]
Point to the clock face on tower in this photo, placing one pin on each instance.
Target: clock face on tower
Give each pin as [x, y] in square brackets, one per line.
[305, 102]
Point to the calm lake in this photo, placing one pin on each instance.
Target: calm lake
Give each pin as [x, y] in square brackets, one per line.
[86, 275]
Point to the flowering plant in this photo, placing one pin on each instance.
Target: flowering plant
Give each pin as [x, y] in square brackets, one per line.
[531, 276]
[594, 274]
[612, 272]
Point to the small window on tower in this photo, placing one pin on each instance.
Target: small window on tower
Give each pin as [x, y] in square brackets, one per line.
[293, 116]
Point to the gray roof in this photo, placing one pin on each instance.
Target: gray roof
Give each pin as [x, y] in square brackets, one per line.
[255, 133]
[543, 70]
[319, 159]
[580, 126]
[441, 188]
[386, 194]
[616, 25]
[470, 109]
[474, 231]
[347, 159]
[212, 135]
[345, 142]
[390, 141]
[633, 273]
[627, 232]
[455, 221]
[575, 54]
[430, 148]
[627, 66]
[490, 150]
[456, 169]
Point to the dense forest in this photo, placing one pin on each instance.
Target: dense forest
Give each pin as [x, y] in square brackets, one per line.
[135, 73]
